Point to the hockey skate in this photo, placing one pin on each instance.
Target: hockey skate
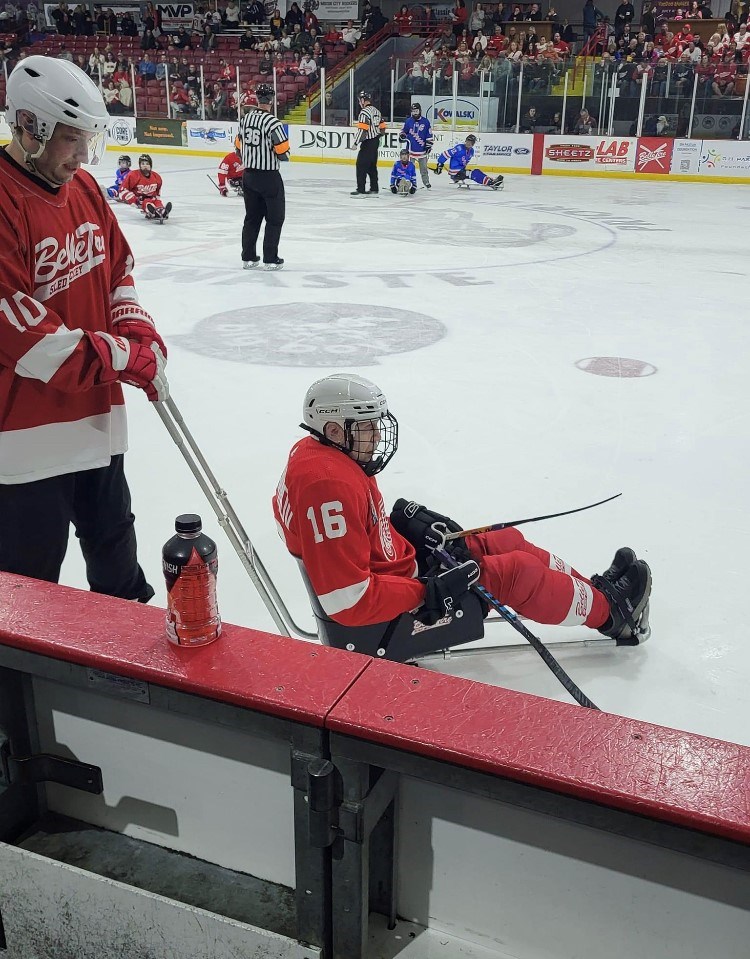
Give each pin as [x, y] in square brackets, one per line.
[496, 184]
[276, 264]
[150, 211]
[251, 264]
[623, 558]
[163, 212]
[628, 598]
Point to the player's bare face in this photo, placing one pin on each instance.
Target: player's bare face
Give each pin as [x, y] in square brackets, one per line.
[63, 155]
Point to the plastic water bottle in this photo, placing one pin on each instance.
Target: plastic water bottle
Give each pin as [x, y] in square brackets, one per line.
[190, 563]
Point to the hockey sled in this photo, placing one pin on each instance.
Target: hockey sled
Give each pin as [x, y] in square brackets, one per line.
[403, 639]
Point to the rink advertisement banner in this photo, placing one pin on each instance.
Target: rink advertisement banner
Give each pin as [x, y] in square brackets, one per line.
[175, 15]
[160, 132]
[654, 155]
[686, 155]
[121, 131]
[204, 135]
[571, 154]
[336, 143]
[440, 113]
[337, 10]
[725, 158]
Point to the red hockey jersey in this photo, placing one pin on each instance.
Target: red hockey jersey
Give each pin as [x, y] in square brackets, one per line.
[64, 264]
[144, 187]
[331, 516]
[230, 168]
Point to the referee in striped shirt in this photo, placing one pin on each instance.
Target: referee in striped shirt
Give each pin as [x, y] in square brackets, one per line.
[370, 125]
[263, 142]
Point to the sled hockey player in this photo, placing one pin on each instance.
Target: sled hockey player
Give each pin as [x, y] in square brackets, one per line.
[230, 173]
[404, 175]
[366, 567]
[142, 188]
[417, 135]
[458, 158]
[123, 168]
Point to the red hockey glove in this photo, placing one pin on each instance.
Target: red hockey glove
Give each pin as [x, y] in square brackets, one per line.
[223, 190]
[130, 362]
[134, 323]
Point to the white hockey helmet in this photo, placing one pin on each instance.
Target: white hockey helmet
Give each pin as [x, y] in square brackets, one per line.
[56, 91]
[348, 400]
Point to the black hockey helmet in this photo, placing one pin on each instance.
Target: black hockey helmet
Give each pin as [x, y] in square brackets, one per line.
[403, 152]
[264, 93]
[470, 138]
[364, 95]
[146, 158]
[125, 159]
[416, 109]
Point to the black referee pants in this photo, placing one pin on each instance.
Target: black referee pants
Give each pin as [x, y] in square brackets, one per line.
[35, 523]
[367, 164]
[264, 199]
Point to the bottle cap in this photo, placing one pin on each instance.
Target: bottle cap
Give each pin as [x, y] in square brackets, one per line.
[188, 523]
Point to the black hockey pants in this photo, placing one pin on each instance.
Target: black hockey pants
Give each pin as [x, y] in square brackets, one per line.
[264, 199]
[35, 523]
[367, 164]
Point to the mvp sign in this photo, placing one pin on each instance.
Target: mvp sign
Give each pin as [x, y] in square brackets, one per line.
[175, 15]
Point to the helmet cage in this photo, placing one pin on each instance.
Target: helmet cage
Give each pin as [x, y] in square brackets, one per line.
[371, 457]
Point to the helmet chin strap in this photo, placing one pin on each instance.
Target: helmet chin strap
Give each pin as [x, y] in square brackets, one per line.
[29, 158]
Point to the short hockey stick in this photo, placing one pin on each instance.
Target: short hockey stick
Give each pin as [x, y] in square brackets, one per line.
[214, 182]
[531, 519]
[510, 617]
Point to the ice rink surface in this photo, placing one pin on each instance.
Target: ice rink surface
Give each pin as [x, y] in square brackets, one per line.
[489, 320]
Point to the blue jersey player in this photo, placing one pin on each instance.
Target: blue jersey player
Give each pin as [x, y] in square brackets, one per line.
[404, 175]
[417, 135]
[123, 168]
[458, 158]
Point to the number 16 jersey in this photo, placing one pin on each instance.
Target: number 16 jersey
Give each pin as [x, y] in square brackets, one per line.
[332, 517]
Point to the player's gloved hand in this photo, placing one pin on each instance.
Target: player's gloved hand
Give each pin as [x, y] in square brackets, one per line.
[130, 362]
[445, 591]
[414, 521]
[134, 323]
[429, 143]
[394, 190]
[223, 190]
[402, 138]
[439, 168]
[413, 189]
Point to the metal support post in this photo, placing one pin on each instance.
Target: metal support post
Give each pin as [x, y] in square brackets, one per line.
[518, 107]
[692, 106]
[564, 105]
[642, 105]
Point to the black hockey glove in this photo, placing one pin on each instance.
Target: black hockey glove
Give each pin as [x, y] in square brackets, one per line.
[445, 591]
[428, 144]
[415, 523]
[403, 138]
[394, 190]
[439, 168]
[413, 189]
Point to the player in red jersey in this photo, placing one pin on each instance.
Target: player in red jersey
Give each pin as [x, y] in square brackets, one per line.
[142, 187]
[71, 332]
[230, 173]
[368, 568]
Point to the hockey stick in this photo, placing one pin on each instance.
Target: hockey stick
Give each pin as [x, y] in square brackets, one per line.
[510, 617]
[531, 519]
[214, 182]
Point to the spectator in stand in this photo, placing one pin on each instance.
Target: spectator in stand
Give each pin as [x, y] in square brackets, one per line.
[307, 68]
[351, 35]
[534, 14]
[128, 26]
[319, 55]
[179, 101]
[148, 41]
[276, 24]
[146, 69]
[585, 124]
[109, 66]
[162, 67]
[479, 46]
[81, 62]
[192, 79]
[742, 39]
[111, 96]
[404, 20]
[477, 18]
[294, 16]
[232, 14]
[695, 54]
[708, 13]
[208, 43]
[695, 12]
[682, 76]
[64, 53]
[332, 35]
[531, 43]
[265, 67]
[624, 15]
[311, 22]
[173, 71]
[659, 76]
[496, 42]
[284, 42]
[182, 40]
[126, 95]
[459, 17]
[725, 75]
[216, 106]
[374, 23]
[255, 12]
[560, 45]
[248, 41]
[300, 39]
[529, 121]
[591, 17]
[110, 23]
[121, 70]
[514, 52]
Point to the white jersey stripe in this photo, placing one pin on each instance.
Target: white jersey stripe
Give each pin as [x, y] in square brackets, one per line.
[47, 355]
[344, 598]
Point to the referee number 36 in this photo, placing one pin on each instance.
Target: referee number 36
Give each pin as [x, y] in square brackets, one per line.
[252, 137]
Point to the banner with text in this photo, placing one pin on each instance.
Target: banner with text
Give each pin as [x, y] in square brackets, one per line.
[337, 10]
[121, 131]
[175, 15]
[570, 154]
[161, 132]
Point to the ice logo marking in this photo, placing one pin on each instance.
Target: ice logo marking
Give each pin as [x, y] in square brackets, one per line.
[312, 334]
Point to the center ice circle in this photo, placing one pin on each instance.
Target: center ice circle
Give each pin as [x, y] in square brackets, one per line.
[312, 334]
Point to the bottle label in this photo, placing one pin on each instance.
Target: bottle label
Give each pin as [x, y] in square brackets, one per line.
[192, 609]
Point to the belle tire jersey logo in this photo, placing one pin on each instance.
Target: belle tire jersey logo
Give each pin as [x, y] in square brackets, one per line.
[570, 152]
